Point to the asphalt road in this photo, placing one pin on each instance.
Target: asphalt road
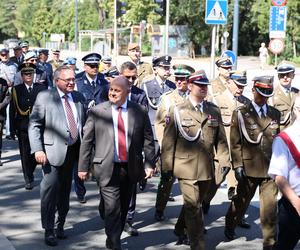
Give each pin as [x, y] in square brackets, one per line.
[20, 217]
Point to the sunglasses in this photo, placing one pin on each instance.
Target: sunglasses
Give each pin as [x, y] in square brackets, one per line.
[132, 78]
[32, 60]
[27, 73]
[93, 65]
[290, 74]
[4, 54]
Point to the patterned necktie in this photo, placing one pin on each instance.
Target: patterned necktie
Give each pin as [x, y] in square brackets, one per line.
[71, 120]
[121, 137]
[262, 113]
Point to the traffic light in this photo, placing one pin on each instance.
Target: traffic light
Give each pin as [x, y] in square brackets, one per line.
[119, 10]
[162, 7]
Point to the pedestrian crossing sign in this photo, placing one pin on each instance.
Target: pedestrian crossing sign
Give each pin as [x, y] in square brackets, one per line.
[216, 12]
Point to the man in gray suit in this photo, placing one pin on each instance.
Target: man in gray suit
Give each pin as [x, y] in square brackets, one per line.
[55, 133]
[121, 132]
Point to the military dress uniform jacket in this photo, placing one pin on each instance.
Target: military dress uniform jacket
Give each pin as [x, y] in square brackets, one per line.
[56, 64]
[97, 93]
[217, 86]
[172, 98]
[251, 139]
[193, 160]
[22, 103]
[283, 103]
[143, 69]
[153, 92]
[138, 95]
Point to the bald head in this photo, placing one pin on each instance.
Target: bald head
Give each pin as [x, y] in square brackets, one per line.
[119, 90]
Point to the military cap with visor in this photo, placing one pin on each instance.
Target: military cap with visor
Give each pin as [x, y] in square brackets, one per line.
[55, 51]
[44, 51]
[239, 77]
[29, 55]
[24, 44]
[133, 46]
[111, 72]
[285, 68]
[162, 61]
[182, 70]
[224, 62]
[264, 85]
[106, 59]
[70, 61]
[92, 58]
[199, 78]
[27, 68]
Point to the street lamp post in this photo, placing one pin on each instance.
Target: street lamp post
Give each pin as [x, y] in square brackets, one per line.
[76, 24]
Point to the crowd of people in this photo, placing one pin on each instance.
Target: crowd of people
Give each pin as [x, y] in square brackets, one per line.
[120, 126]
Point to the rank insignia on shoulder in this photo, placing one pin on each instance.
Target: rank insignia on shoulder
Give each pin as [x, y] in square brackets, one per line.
[167, 119]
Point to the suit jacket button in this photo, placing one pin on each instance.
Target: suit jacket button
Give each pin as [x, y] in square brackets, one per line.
[66, 143]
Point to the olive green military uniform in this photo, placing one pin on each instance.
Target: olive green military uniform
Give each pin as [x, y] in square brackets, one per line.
[162, 116]
[283, 102]
[143, 69]
[227, 104]
[188, 151]
[251, 147]
[56, 64]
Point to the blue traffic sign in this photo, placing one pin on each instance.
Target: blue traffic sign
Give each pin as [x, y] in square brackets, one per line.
[216, 12]
[278, 16]
[230, 54]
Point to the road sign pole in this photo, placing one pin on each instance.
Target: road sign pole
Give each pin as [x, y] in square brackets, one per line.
[115, 34]
[167, 27]
[235, 36]
[212, 54]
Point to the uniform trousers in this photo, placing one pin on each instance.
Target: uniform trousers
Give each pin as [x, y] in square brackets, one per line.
[163, 193]
[27, 159]
[115, 198]
[268, 206]
[56, 187]
[193, 193]
[289, 226]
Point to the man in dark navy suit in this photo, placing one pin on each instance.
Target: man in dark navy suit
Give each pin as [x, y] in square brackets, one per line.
[23, 98]
[137, 95]
[94, 88]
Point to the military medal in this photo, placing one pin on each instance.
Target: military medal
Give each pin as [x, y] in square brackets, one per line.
[167, 119]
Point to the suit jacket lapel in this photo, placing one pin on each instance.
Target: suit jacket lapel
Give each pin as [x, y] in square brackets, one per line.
[59, 105]
[131, 122]
[108, 114]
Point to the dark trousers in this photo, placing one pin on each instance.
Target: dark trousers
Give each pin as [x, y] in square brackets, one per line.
[1, 134]
[79, 187]
[116, 197]
[55, 189]
[289, 226]
[163, 193]
[27, 159]
[132, 204]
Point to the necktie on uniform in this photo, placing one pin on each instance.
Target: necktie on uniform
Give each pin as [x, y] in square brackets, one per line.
[121, 137]
[93, 84]
[262, 113]
[71, 120]
[199, 107]
[29, 89]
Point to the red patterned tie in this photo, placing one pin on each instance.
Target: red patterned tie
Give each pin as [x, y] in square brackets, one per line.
[71, 120]
[121, 137]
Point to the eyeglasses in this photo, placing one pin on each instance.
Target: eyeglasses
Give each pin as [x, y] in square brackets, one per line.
[68, 80]
[93, 65]
[27, 73]
[132, 78]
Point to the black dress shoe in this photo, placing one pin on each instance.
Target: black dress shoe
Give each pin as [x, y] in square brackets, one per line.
[129, 228]
[159, 216]
[81, 199]
[108, 244]
[205, 207]
[60, 233]
[50, 239]
[29, 186]
[171, 198]
[182, 239]
[244, 223]
[229, 233]
[231, 192]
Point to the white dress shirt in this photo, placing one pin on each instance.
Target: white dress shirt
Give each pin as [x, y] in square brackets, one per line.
[115, 114]
[74, 110]
[282, 162]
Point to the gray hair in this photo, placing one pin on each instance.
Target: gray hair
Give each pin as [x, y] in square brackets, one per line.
[58, 71]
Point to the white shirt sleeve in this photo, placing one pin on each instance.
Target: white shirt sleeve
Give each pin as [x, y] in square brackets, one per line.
[280, 159]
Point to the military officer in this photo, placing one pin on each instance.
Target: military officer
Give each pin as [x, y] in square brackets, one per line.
[192, 134]
[56, 61]
[23, 98]
[155, 87]
[284, 93]
[44, 65]
[25, 46]
[71, 62]
[105, 64]
[18, 57]
[143, 68]
[253, 128]
[91, 83]
[168, 99]
[228, 100]
[224, 65]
